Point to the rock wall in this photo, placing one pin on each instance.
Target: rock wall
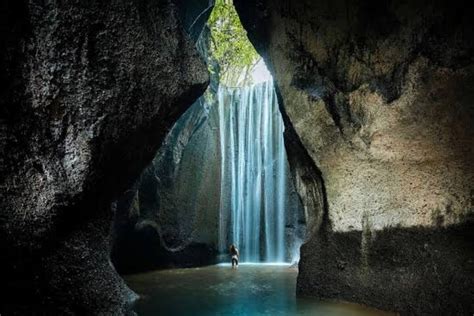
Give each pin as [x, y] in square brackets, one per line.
[88, 90]
[194, 14]
[379, 113]
[171, 216]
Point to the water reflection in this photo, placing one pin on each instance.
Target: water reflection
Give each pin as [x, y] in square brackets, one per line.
[219, 290]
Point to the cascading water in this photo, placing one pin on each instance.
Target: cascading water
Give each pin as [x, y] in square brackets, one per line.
[253, 173]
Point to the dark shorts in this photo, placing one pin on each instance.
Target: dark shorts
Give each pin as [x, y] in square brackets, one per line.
[235, 261]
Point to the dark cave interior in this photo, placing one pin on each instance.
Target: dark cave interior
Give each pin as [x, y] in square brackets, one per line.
[109, 119]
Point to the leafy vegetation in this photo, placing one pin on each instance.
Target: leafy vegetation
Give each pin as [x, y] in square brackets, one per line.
[230, 46]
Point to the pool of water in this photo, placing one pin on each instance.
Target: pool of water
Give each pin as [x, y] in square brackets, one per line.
[218, 290]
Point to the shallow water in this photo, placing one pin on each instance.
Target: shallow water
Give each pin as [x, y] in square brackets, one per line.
[219, 290]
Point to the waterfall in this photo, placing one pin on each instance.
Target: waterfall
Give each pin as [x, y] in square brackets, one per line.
[253, 173]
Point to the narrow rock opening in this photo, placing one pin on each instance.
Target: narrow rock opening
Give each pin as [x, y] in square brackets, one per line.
[221, 176]
[375, 105]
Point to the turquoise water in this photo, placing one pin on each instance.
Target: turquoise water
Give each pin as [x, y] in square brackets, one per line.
[218, 290]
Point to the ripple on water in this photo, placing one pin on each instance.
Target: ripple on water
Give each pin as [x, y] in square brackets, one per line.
[219, 290]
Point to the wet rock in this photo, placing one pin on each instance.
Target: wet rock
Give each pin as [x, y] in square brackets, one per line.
[173, 219]
[169, 217]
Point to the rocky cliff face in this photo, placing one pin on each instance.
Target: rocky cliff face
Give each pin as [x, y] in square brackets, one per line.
[171, 216]
[88, 92]
[379, 113]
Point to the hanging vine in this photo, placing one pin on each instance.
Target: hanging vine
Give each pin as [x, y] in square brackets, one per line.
[230, 46]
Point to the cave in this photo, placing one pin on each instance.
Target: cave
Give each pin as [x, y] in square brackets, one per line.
[330, 141]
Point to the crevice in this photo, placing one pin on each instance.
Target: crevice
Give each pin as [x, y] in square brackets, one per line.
[304, 169]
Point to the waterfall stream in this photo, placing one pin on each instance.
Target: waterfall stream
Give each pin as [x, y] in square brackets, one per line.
[253, 173]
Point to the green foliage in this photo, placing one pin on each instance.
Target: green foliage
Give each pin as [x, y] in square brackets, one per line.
[230, 46]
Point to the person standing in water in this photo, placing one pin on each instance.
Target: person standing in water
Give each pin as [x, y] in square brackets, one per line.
[234, 252]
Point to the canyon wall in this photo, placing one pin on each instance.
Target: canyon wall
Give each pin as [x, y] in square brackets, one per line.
[88, 91]
[171, 216]
[379, 107]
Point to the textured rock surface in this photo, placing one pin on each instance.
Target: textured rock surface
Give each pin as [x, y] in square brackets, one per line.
[88, 92]
[171, 216]
[194, 15]
[379, 97]
[173, 219]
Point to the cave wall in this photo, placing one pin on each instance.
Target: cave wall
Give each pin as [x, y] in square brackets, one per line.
[88, 91]
[170, 217]
[194, 15]
[379, 110]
